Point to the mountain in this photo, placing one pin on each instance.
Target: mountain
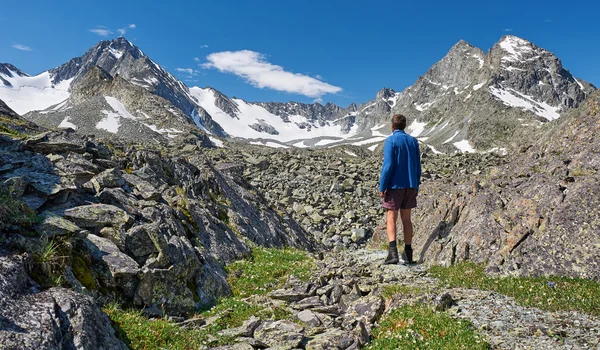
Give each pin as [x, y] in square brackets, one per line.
[113, 107]
[24, 93]
[473, 100]
[469, 100]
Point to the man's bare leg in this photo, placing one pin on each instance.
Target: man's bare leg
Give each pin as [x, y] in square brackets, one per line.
[390, 224]
[407, 228]
[391, 217]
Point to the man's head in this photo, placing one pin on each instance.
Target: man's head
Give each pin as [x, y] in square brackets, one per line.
[398, 122]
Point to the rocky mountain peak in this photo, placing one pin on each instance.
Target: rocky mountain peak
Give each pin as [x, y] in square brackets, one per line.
[7, 70]
[386, 93]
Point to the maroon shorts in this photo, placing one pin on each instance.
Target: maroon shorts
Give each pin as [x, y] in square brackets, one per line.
[402, 198]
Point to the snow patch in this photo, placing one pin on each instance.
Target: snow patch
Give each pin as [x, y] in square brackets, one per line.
[478, 86]
[435, 151]
[116, 53]
[369, 141]
[375, 131]
[416, 128]
[579, 83]
[516, 99]
[452, 138]
[110, 123]
[118, 107]
[501, 151]
[67, 124]
[350, 153]
[515, 47]
[325, 142]
[372, 148]
[464, 146]
[216, 142]
[35, 93]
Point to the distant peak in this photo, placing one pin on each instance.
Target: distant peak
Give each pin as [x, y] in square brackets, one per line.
[8, 69]
[514, 40]
[385, 93]
[462, 43]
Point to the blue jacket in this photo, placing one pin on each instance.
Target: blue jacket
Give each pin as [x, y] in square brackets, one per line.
[401, 162]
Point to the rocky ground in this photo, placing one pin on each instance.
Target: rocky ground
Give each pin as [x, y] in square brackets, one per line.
[333, 193]
[340, 306]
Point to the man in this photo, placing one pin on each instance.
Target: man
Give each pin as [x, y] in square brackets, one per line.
[399, 185]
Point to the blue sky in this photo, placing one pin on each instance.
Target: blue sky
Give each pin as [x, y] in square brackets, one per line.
[338, 51]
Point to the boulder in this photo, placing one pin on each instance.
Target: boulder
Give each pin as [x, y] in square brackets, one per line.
[108, 178]
[56, 318]
[55, 225]
[283, 335]
[97, 216]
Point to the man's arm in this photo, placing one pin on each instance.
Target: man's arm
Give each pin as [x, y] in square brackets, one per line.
[388, 166]
[419, 161]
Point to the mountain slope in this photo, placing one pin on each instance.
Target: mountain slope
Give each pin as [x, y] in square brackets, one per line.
[24, 93]
[472, 100]
[11, 123]
[113, 107]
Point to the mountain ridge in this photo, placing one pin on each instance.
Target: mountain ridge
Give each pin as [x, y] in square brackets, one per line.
[469, 100]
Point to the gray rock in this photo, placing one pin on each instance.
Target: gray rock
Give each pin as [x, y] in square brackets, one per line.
[54, 225]
[282, 335]
[97, 216]
[287, 295]
[107, 178]
[358, 235]
[309, 318]
[56, 318]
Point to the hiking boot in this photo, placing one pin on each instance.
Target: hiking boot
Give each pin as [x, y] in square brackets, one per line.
[407, 256]
[392, 257]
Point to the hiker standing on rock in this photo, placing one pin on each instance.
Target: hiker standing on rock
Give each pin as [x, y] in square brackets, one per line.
[399, 185]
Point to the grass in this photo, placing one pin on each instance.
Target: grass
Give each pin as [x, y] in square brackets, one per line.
[419, 327]
[390, 290]
[15, 212]
[138, 332]
[265, 270]
[579, 171]
[546, 293]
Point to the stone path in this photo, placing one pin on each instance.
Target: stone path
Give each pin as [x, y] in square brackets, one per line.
[340, 306]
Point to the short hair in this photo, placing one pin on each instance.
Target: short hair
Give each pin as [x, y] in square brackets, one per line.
[398, 122]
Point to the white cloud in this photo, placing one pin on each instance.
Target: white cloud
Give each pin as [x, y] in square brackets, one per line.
[508, 30]
[257, 71]
[22, 47]
[122, 31]
[196, 59]
[102, 31]
[189, 71]
[318, 100]
[204, 46]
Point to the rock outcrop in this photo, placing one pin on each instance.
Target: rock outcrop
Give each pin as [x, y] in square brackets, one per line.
[55, 318]
[148, 227]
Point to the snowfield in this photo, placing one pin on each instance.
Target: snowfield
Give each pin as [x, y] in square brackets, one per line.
[33, 93]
